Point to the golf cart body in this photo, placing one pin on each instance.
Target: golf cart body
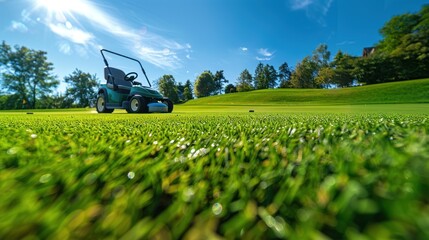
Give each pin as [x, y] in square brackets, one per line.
[121, 91]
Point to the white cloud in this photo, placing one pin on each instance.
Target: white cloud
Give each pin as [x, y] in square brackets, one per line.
[314, 9]
[18, 26]
[263, 59]
[264, 52]
[26, 16]
[65, 48]
[73, 34]
[300, 4]
[151, 47]
[265, 55]
[345, 43]
[325, 6]
[244, 49]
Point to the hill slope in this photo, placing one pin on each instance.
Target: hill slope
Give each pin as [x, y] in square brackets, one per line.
[413, 91]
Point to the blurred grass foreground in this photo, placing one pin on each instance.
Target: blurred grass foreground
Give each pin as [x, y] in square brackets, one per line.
[214, 176]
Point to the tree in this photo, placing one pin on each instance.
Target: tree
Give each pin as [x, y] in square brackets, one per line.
[244, 81]
[56, 101]
[180, 91]
[308, 69]
[374, 69]
[219, 79]
[395, 30]
[343, 69]
[284, 75]
[187, 92]
[27, 73]
[265, 76]
[13, 101]
[168, 87]
[82, 88]
[405, 46]
[204, 84]
[230, 88]
[321, 56]
[324, 77]
[304, 74]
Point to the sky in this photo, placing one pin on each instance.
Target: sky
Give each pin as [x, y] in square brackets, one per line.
[184, 38]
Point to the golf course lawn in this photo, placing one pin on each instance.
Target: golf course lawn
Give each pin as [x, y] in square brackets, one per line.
[213, 171]
[289, 163]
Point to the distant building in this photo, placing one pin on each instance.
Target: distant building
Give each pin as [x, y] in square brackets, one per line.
[368, 51]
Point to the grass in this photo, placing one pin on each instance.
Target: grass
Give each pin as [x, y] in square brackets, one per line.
[307, 170]
[415, 91]
[233, 175]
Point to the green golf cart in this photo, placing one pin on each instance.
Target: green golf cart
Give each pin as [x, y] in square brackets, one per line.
[121, 91]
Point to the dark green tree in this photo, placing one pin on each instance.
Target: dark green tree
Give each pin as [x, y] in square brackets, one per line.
[343, 68]
[26, 73]
[81, 88]
[168, 87]
[187, 91]
[204, 85]
[230, 88]
[244, 81]
[405, 46]
[374, 69]
[219, 79]
[265, 76]
[284, 75]
[395, 30]
[304, 74]
[180, 91]
[12, 101]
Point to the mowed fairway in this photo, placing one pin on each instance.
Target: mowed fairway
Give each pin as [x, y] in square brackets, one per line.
[200, 175]
[327, 171]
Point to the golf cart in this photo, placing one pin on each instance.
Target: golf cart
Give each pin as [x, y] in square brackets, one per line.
[121, 91]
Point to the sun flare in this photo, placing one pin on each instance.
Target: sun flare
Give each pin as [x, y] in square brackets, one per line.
[59, 9]
[55, 6]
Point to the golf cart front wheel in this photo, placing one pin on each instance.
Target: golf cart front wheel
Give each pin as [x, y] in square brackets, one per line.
[101, 104]
[137, 105]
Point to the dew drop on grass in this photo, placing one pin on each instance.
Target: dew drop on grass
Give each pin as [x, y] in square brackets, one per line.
[45, 178]
[217, 209]
[131, 175]
[188, 194]
[12, 150]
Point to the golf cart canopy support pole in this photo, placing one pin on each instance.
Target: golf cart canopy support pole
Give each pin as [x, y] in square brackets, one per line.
[118, 54]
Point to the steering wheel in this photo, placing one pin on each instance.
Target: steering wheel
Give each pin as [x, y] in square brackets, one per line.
[131, 76]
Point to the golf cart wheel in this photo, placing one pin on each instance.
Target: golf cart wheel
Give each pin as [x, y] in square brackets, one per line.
[137, 105]
[169, 103]
[101, 104]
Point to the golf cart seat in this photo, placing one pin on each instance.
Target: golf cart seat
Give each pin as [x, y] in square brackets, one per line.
[116, 75]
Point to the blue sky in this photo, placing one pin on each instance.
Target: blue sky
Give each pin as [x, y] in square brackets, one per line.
[186, 37]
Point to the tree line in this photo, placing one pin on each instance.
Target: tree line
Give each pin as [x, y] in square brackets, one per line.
[402, 54]
[27, 77]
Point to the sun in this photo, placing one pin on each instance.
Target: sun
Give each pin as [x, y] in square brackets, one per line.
[60, 9]
[55, 6]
